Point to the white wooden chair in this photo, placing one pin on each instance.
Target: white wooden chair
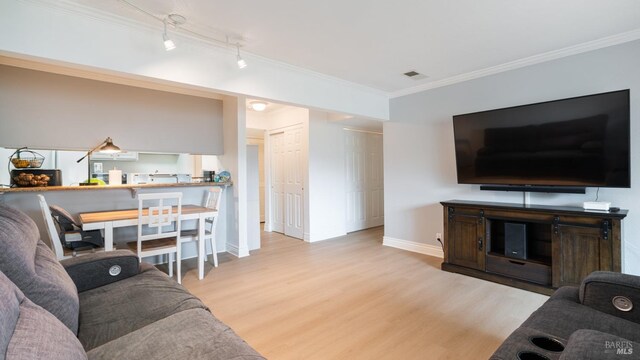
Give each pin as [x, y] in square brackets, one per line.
[159, 218]
[212, 201]
[54, 232]
[54, 238]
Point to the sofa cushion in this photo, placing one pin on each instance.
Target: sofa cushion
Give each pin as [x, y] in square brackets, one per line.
[598, 290]
[520, 342]
[116, 309]
[32, 267]
[27, 331]
[190, 334]
[561, 318]
[10, 311]
[591, 344]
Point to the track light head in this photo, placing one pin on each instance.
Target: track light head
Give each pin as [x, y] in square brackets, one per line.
[168, 43]
[241, 62]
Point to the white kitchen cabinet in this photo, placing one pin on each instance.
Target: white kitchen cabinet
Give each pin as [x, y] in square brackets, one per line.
[121, 156]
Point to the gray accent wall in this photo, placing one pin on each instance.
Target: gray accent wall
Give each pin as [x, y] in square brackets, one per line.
[50, 111]
[419, 159]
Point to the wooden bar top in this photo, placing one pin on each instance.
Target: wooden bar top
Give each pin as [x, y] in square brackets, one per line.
[109, 187]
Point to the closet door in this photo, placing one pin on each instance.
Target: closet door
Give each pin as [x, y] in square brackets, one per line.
[355, 171]
[293, 183]
[365, 186]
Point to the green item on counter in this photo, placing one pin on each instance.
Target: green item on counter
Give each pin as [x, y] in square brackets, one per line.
[97, 181]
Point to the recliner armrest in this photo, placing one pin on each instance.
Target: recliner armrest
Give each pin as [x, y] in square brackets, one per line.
[99, 269]
[603, 290]
[591, 344]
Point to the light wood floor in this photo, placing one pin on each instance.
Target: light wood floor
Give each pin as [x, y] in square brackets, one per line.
[352, 298]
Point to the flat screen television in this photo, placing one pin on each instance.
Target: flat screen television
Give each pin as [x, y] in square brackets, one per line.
[563, 144]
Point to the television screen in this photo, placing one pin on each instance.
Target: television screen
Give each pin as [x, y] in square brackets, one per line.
[576, 142]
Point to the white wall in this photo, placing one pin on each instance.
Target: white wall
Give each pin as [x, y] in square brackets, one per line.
[256, 137]
[50, 111]
[234, 160]
[253, 198]
[257, 120]
[327, 213]
[65, 34]
[419, 160]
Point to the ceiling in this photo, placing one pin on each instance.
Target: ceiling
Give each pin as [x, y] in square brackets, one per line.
[373, 43]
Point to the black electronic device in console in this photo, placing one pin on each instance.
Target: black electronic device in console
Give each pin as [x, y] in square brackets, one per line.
[515, 240]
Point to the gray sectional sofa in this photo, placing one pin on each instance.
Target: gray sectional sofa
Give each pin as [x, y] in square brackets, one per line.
[598, 320]
[98, 306]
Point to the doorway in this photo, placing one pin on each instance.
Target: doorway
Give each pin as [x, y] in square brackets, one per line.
[364, 179]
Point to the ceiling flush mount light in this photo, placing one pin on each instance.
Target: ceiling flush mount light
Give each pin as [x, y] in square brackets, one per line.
[258, 105]
[241, 63]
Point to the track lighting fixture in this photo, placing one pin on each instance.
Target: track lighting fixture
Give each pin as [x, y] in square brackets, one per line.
[168, 43]
[241, 63]
[177, 20]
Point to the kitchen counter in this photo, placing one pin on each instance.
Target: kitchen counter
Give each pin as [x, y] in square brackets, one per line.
[133, 187]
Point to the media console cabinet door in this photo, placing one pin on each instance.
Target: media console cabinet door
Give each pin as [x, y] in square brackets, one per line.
[465, 240]
[578, 251]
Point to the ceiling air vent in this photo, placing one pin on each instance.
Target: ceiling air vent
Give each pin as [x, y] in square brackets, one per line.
[414, 75]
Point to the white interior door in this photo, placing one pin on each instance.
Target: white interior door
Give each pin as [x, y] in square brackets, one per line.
[355, 170]
[293, 183]
[365, 186]
[277, 182]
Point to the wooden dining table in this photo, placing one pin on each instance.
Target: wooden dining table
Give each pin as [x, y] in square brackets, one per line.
[109, 220]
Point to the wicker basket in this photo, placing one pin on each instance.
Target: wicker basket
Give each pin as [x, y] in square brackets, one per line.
[24, 158]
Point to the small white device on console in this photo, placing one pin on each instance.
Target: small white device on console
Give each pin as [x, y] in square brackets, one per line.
[596, 205]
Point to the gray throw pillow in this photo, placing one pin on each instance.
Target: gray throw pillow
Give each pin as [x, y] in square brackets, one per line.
[32, 267]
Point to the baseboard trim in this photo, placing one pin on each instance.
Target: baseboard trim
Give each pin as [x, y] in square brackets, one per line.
[421, 248]
[235, 251]
[326, 237]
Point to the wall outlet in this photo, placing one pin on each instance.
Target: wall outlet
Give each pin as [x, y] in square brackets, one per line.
[438, 236]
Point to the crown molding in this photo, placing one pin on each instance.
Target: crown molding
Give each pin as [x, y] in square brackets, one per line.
[528, 61]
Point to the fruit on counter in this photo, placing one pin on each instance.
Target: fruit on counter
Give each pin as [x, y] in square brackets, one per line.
[24, 179]
[20, 163]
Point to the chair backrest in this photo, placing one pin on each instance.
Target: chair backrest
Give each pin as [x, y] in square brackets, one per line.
[54, 236]
[214, 196]
[160, 212]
